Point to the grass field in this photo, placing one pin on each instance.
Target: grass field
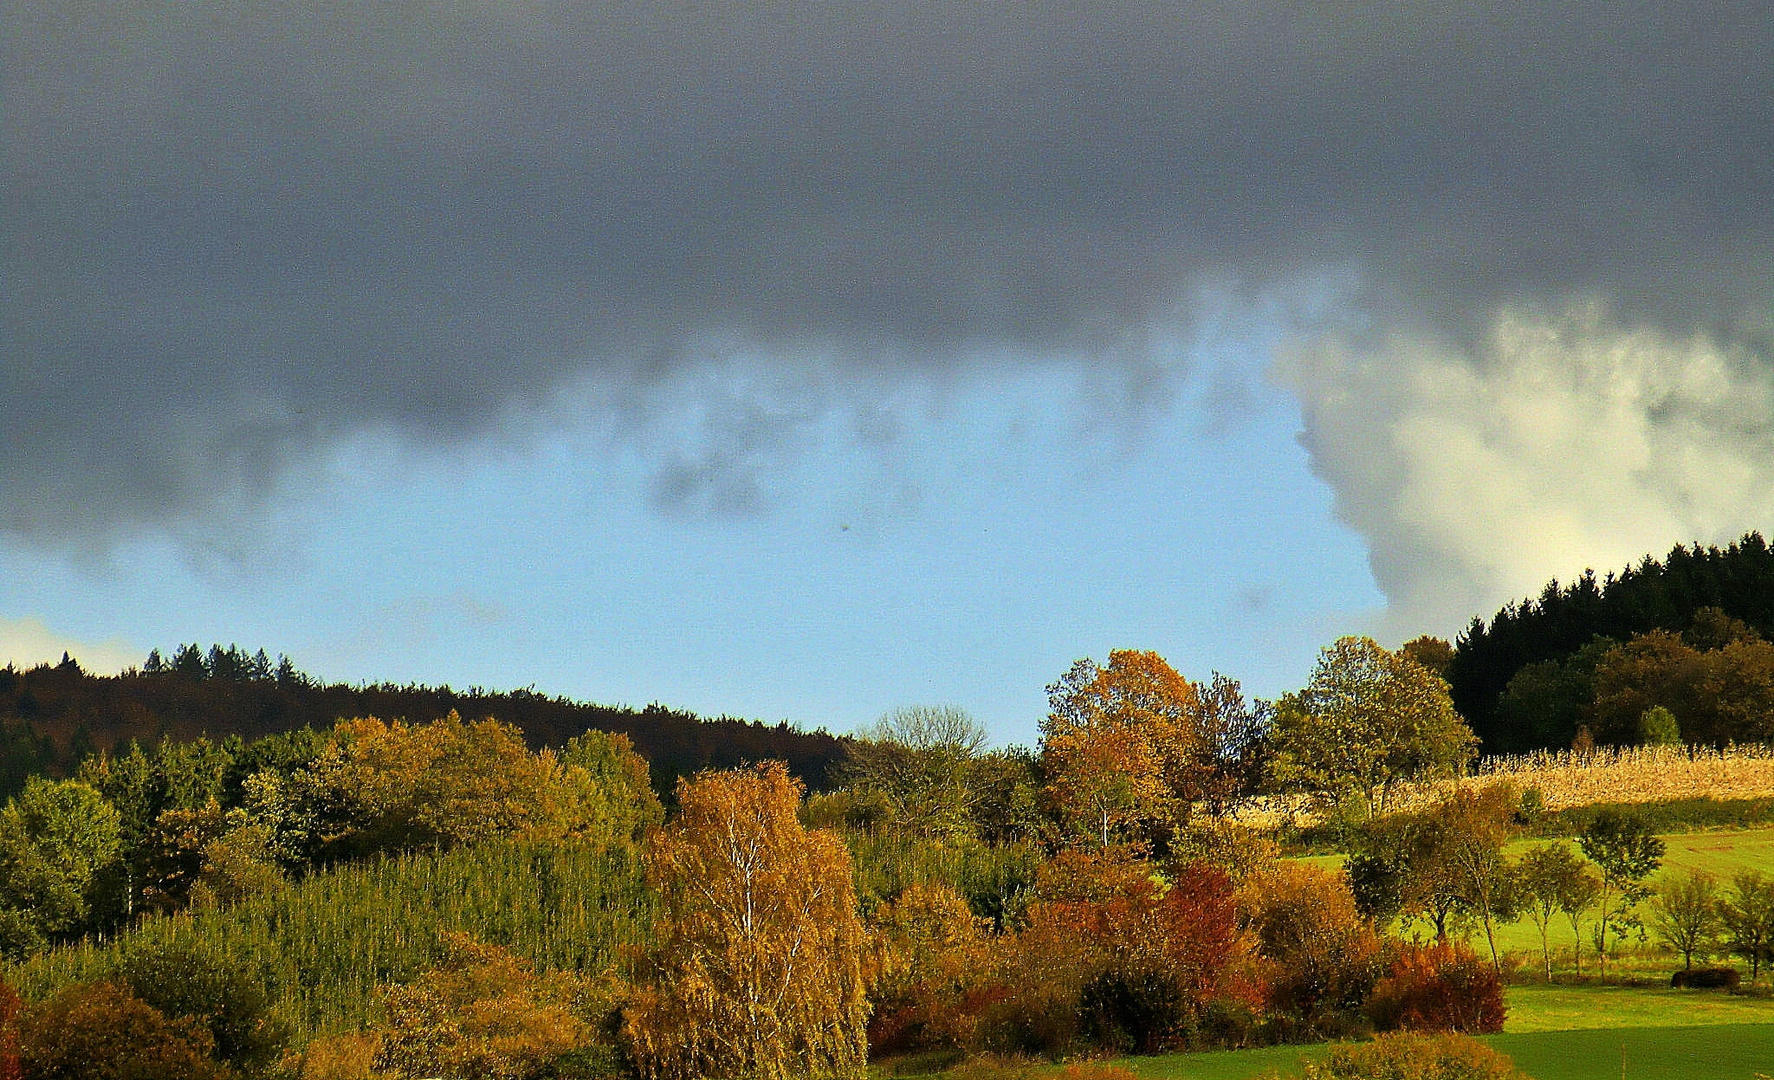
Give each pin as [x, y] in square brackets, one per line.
[1720, 1052]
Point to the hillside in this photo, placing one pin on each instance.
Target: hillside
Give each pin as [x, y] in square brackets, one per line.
[50, 717]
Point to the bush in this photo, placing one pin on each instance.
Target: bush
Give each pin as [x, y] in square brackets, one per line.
[1409, 1056]
[1125, 1012]
[1439, 987]
[1318, 956]
[187, 981]
[101, 1031]
[481, 1013]
[1714, 978]
[934, 972]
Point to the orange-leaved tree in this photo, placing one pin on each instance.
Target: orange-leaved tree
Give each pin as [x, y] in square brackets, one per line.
[757, 968]
[1122, 744]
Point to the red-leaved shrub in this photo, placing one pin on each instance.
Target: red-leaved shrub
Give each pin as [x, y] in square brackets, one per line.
[1438, 987]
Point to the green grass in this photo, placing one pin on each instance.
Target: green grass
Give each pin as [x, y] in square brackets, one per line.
[1535, 1009]
[1715, 1052]
[1718, 1052]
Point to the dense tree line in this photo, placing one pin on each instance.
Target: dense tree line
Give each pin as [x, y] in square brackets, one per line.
[54, 716]
[1564, 620]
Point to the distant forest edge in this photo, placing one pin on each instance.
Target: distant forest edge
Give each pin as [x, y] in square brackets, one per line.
[53, 716]
[1687, 642]
[1688, 635]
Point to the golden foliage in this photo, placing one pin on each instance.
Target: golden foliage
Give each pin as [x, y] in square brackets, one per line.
[479, 1015]
[1315, 949]
[335, 1057]
[758, 968]
[379, 785]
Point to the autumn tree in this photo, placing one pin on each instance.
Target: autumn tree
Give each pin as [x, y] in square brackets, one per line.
[1369, 719]
[1321, 957]
[931, 955]
[757, 967]
[1433, 653]
[1122, 745]
[101, 1031]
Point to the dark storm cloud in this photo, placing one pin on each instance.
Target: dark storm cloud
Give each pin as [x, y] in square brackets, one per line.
[234, 232]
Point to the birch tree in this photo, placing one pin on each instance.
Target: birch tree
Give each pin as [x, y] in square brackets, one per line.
[757, 970]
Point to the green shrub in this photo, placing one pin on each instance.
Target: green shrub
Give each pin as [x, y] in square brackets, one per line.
[1673, 815]
[187, 981]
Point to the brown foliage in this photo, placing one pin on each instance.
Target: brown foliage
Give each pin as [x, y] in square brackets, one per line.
[758, 967]
[1115, 952]
[100, 1031]
[1719, 695]
[935, 971]
[334, 1057]
[1438, 987]
[1317, 954]
[9, 1010]
[1122, 744]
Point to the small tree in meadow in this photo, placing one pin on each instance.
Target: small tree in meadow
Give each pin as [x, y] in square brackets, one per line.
[1685, 915]
[1748, 914]
[1628, 852]
[1550, 879]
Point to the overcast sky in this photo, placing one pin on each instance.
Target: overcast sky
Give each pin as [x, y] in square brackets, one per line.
[798, 361]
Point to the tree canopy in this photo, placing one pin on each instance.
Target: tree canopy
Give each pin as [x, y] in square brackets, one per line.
[1368, 719]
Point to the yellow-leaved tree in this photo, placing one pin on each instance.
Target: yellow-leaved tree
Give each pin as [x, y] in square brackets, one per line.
[757, 967]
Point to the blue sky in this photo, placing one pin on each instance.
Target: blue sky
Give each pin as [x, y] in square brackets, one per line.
[1003, 532]
[799, 361]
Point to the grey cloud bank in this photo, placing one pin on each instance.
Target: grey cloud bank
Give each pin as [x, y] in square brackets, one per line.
[235, 233]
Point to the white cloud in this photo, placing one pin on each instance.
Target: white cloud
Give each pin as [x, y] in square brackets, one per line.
[1557, 443]
[29, 641]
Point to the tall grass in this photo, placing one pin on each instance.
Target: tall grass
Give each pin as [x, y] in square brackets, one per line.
[325, 944]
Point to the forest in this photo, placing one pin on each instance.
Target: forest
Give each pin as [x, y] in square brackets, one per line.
[443, 893]
[1688, 631]
[53, 716]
